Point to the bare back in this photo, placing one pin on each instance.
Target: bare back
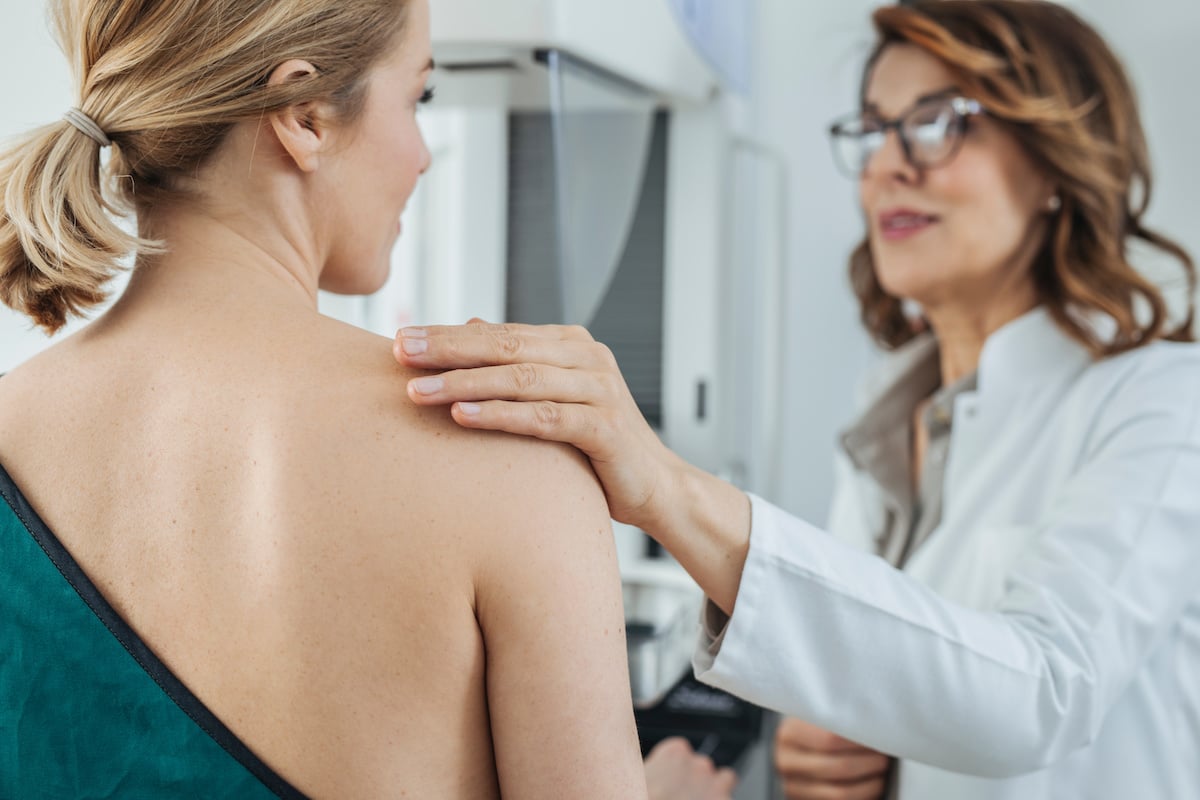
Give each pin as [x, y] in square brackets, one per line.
[375, 601]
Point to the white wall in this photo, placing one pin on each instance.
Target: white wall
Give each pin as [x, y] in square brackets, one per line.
[810, 55]
[35, 89]
[37, 83]
[1159, 42]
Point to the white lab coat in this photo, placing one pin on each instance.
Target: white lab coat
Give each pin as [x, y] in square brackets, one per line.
[1045, 641]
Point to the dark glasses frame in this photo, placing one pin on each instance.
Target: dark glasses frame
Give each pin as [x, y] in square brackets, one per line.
[963, 109]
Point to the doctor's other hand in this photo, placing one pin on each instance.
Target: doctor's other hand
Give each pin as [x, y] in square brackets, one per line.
[814, 764]
[551, 382]
[676, 772]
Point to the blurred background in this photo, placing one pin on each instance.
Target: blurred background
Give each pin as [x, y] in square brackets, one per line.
[659, 171]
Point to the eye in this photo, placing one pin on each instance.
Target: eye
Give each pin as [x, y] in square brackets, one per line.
[427, 95]
[869, 125]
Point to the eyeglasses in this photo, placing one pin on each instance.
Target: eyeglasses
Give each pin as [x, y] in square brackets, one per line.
[930, 132]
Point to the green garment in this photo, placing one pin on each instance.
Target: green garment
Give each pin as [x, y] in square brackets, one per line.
[86, 709]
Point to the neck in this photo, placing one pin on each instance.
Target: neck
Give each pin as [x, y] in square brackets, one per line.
[249, 233]
[225, 250]
[962, 331]
[260, 252]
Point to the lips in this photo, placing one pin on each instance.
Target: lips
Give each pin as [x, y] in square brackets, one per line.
[902, 223]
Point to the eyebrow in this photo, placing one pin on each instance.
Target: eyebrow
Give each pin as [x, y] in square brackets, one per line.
[874, 109]
[429, 67]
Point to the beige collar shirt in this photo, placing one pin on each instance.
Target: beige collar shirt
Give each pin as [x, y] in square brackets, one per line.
[880, 444]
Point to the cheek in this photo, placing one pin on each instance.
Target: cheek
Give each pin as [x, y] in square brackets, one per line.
[405, 144]
[990, 217]
[391, 149]
[387, 173]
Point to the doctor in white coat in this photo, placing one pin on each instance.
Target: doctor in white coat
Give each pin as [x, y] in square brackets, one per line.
[1007, 599]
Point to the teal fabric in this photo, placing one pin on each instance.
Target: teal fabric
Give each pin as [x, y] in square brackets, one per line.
[80, 717]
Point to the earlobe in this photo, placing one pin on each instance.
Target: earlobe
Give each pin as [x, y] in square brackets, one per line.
[297, 127]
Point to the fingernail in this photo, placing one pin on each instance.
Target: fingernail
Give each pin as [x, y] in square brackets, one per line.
[470, 409]
[427, 386]
[414, 333]
[415, 347]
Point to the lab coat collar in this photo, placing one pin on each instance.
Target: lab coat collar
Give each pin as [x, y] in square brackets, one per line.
[1027, 352]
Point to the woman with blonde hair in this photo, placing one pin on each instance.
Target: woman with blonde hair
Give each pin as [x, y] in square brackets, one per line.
[235, 563]
[1008, 602]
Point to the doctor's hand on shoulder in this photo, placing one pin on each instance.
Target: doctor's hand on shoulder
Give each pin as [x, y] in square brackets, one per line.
[551, 382]
[814, 764]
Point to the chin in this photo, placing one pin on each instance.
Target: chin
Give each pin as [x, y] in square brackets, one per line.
[356, 282]
[906, 281]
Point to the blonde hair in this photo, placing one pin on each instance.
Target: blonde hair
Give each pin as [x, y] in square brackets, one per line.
[165, 80]
[1055, 85]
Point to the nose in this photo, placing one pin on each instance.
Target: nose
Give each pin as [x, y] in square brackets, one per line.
[890, 162]
[426, 156]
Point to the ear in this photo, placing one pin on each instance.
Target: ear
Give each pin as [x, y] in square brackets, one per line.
[299, 128]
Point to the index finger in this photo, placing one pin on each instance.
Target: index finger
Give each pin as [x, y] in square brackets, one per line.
[478, 327]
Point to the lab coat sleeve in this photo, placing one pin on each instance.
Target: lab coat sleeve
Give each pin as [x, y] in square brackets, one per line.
[823, 631]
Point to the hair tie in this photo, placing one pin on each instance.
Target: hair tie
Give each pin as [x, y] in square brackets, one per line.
[88, 127]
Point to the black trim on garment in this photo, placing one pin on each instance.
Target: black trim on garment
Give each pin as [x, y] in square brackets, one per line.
[142, 654]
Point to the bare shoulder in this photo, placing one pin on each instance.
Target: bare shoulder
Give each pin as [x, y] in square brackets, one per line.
[360, 372]
[323, 400]
[530, 526]
[487, 482]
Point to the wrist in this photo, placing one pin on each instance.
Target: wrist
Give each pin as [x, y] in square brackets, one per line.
[660, 513]
[704, 522]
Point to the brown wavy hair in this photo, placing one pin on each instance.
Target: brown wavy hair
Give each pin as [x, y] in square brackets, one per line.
[165, 80]
[1056, 86]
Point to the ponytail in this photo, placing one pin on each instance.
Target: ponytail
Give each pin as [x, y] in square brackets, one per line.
[59, 242]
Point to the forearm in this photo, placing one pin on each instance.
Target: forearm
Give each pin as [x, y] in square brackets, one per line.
[704, 522]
